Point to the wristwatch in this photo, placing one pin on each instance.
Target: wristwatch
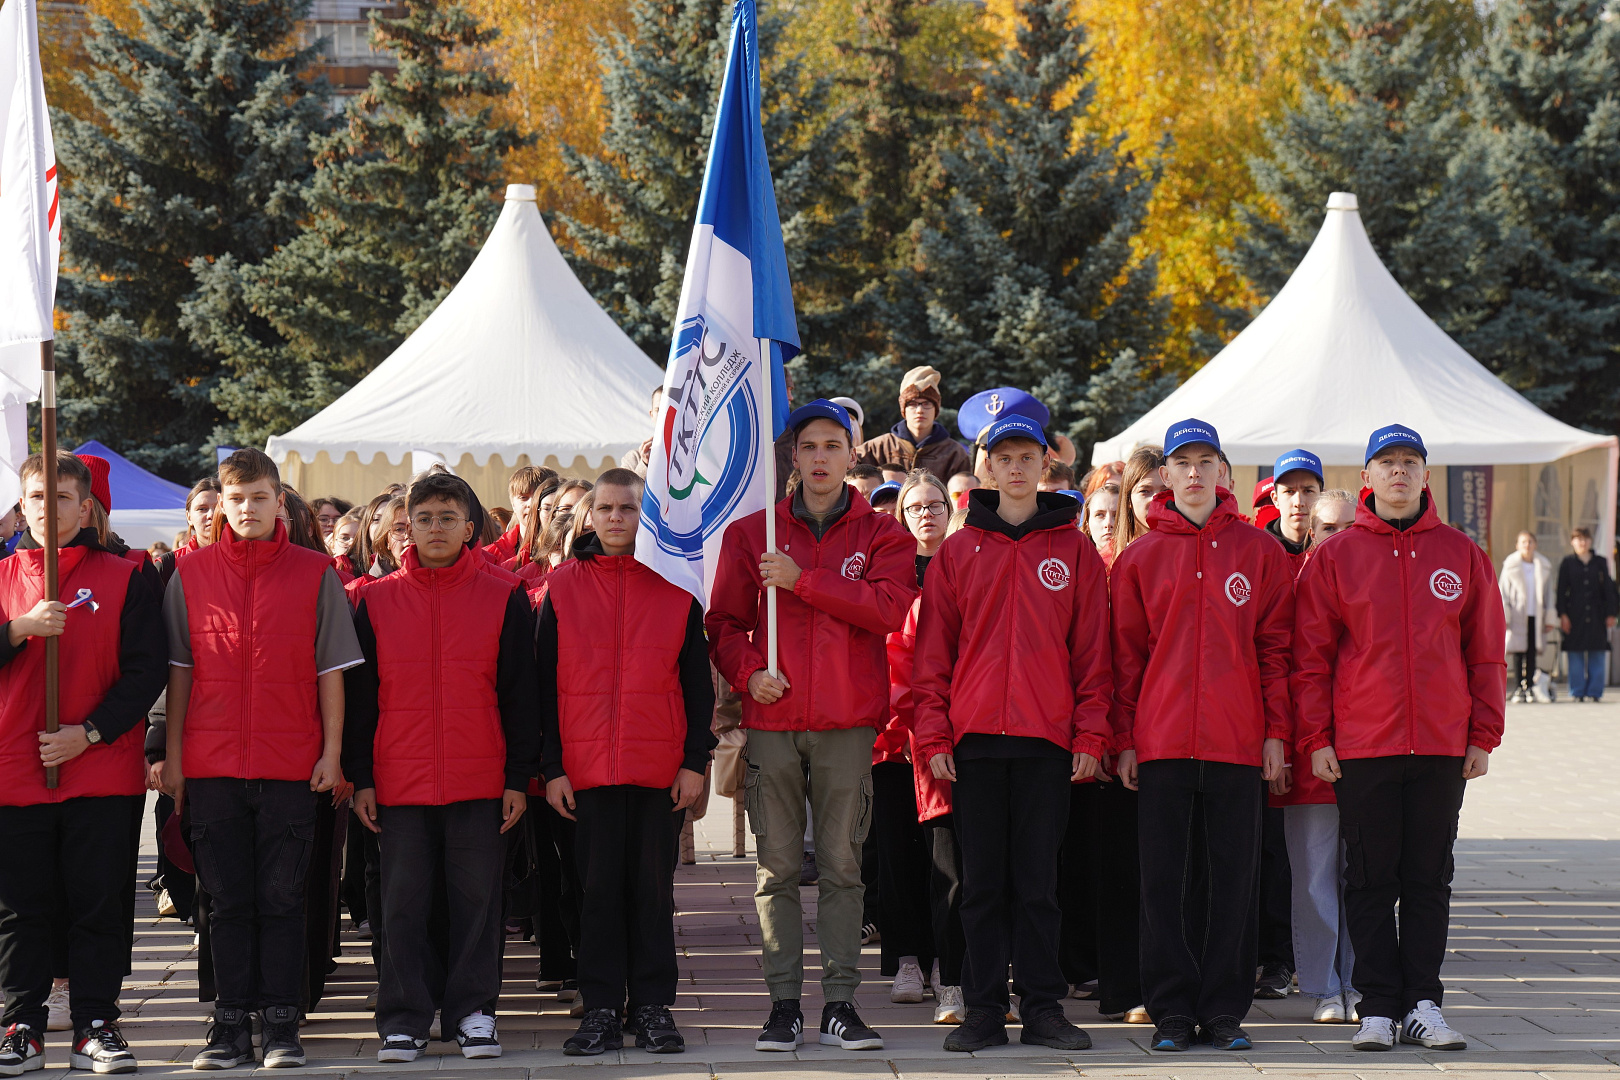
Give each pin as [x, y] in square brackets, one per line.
[91, 734]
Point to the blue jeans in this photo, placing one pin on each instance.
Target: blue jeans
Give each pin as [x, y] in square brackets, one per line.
[1586, 673]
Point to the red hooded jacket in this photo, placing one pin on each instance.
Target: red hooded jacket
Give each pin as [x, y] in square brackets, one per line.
[620, 710]
[1202, 625]
[1399, 646]
[1013, 636]
[250, 613]
[933, 795]
[1305, 788]
[89, 667]
[855, 586]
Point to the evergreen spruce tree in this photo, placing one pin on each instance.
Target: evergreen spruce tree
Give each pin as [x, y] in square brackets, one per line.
[198, 146]
[661, 85]
[1385, 123]
[405, 193]
[1024, 274]
[1546, 92]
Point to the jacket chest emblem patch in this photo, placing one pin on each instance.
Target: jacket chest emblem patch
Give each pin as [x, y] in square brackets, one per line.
[1446, 584]
[855, 566]
[1054, 574]
[1238, 590]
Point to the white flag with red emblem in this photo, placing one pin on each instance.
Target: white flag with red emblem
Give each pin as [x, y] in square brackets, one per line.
[30, 213]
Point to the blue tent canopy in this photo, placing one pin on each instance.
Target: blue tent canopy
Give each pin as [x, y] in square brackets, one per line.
[133, 488]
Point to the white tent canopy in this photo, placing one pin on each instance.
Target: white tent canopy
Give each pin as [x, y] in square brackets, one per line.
[517, 361]
[1342, 351]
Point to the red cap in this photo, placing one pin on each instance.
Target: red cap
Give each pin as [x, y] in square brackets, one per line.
[98, 480]
[1265, 511]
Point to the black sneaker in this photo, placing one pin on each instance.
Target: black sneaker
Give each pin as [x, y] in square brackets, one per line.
[230, 1041]
[842, 1026]
[785, 1028]
[22, 1050]
[1224, 1033]
[100, 1048]
[1274, 982]
[280, 1043]
[569, 990]
[808, 873]
[1173, 1033]
[1051, 1028]
[598, 1032]
[655, 1030]
[983, 1027]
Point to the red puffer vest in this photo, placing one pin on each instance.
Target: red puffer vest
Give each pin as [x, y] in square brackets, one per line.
[439, 734]
[250, 611]
[621, 710]
[89, 667]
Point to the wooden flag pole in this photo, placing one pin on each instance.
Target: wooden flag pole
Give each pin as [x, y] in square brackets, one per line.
[47, 439]
[768, 440]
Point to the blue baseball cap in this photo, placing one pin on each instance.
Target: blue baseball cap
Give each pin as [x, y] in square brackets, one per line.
[1299, 459]
[1187, 432]
[1013, 427]
[820, 409]
[983, 409]
[1073, 494]
[1395, 435]
[888, 487]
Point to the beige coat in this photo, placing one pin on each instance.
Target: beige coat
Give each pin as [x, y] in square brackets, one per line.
[1517, 605]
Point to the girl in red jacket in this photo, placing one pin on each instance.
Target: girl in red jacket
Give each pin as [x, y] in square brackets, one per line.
[625, 703]
[1400, 685]
[1203, 610]
[1011, 689]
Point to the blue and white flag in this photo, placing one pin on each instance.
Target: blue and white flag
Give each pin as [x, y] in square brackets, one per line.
[713, 445]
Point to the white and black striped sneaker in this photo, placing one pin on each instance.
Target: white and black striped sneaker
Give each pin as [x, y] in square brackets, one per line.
[476, 1036]
[784, 1031]
[842, 1026]
[22, 1049]
[1424, 1026]
[398, 1048]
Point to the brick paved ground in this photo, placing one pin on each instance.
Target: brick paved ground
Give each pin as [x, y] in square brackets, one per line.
[1533, 977]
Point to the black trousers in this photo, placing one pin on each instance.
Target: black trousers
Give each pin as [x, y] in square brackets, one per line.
[1117, 889]
[1525, 662]
[1275, 896]
[1398, 817]
[1078, 871]
[1010, 818]
[625, 845]
[458, 847]
[78, 849]
[1200, 976]
[252, 840]
[182, 886]
[557, 930]
[903, 859]
[945, 897]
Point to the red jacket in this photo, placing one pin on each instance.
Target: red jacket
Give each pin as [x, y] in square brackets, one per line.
[1305, 789]
[1013, 636]
[855, 586]
[533, 575]
[1202, 625]
[505, 547]
[250, 612]
[345, 571]
[933, 795]
[89, 667]
[621, 712]
[439, 735]
[1399, 642]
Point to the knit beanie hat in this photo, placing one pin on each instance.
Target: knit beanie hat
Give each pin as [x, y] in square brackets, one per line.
[920, 382]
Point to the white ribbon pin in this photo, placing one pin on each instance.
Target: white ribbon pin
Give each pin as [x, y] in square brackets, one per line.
[85, 597]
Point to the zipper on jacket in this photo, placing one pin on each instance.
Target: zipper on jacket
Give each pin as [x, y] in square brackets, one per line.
[1198, 656]
[247, 664]
[1406, 604]
[438, 686]
[1010, 572]
[618, 666]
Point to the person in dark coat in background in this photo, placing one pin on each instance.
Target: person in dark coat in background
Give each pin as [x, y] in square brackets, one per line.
[1587, 606]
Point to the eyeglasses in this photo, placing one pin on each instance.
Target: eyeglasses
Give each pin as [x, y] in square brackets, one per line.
[444, 522]
[932, 509]
[402, 528]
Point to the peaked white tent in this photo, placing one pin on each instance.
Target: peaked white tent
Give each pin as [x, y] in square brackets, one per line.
[1340, 351]
[518, 365]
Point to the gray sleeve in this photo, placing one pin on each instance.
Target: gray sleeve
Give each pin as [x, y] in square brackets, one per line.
[336, 646]
[174, 622]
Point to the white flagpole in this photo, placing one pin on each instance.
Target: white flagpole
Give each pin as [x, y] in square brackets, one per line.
[768, 426]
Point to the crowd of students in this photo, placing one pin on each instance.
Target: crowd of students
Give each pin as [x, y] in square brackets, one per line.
[1099, 737]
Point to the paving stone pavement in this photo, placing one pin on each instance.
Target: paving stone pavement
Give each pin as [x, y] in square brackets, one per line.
[1533, 974]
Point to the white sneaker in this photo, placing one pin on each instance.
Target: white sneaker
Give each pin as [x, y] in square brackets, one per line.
[1329, 1010]
[1352, 999]
[1424, 1026]
[1375, 1033]
[1014, 1014]
[476, 1036]
[931, 981]
[950, 1009]
[56, 1009]
[401, 1048]
[908, 985]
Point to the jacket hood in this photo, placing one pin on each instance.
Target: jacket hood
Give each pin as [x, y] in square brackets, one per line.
[938, 434]
[85, 538]
[1163, 517]
[1052, 511]
[589, 546]
[1367, 519]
